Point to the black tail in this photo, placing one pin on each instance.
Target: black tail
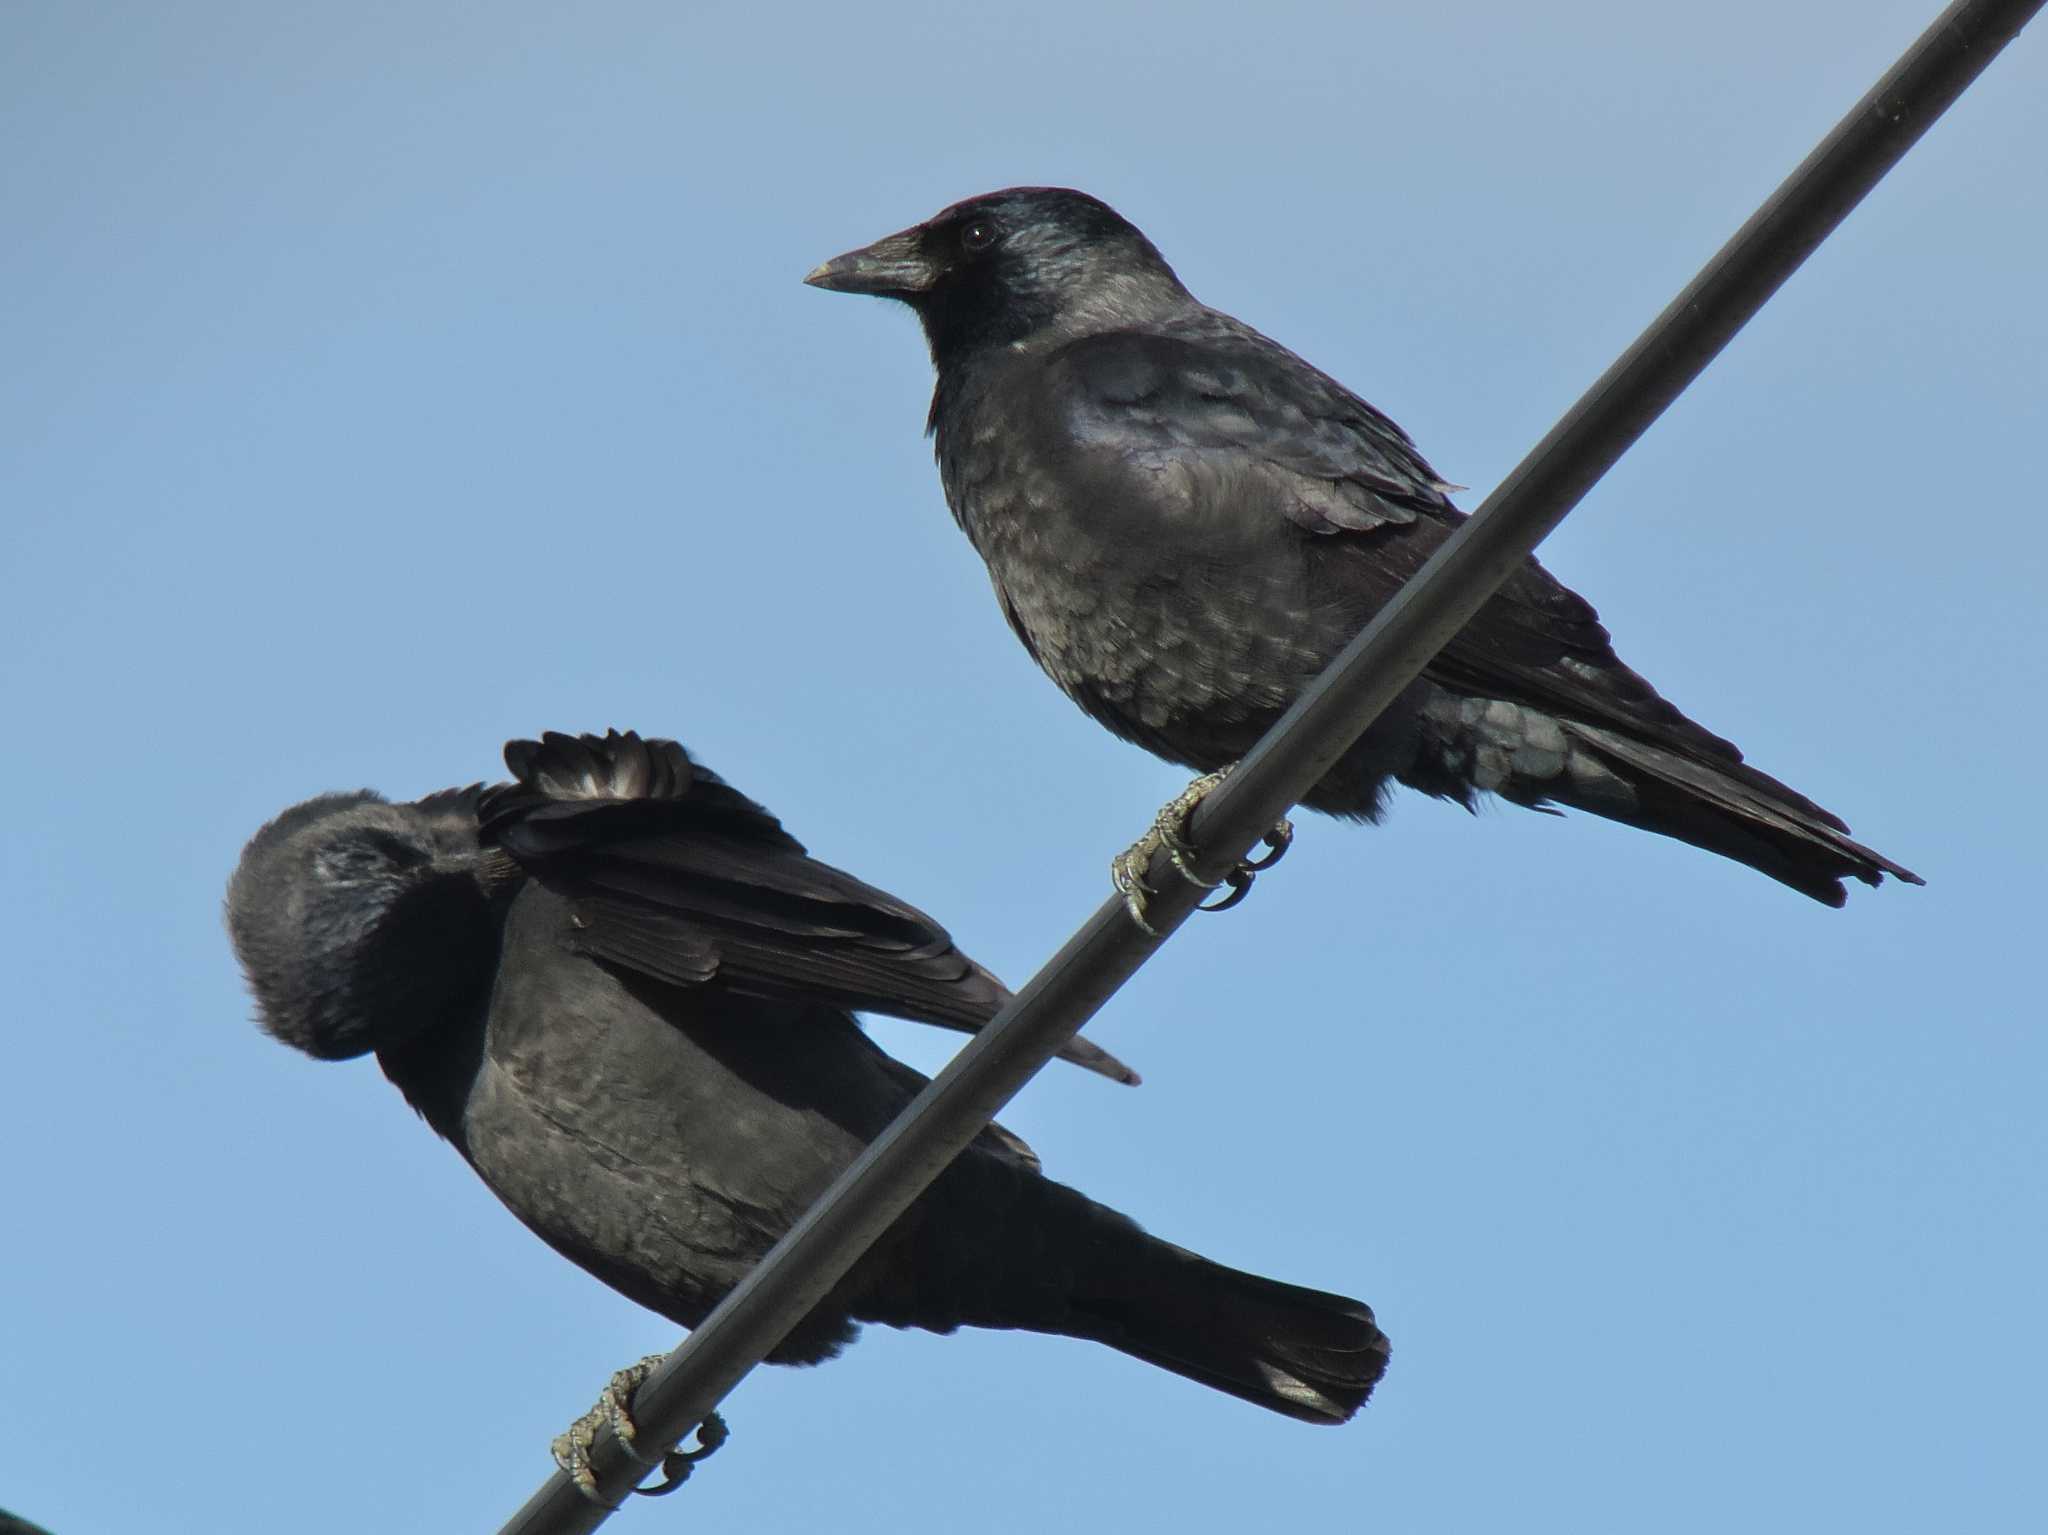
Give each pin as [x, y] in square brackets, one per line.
[1304, 1353]
[1725, 807]
[994, 1243]
[1644, 764]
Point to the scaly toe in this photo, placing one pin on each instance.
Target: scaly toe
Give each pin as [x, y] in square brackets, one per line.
[1171, 827]
[1127, 873]
[571, 1449]
[617, 1402]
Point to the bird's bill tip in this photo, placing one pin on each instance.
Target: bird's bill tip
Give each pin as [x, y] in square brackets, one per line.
[895, 268]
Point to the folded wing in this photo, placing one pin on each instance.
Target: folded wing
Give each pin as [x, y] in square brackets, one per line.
[675, 875]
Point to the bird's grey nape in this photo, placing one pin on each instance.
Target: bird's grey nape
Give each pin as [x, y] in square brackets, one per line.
[346, 912]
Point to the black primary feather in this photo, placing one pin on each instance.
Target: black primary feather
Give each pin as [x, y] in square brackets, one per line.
[677, 875]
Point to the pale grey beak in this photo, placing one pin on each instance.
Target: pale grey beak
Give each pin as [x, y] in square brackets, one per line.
[894, 267]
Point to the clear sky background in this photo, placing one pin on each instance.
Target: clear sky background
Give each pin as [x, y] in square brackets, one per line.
[385, 380]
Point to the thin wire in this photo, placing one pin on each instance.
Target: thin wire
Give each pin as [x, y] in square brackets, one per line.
[1321, 725]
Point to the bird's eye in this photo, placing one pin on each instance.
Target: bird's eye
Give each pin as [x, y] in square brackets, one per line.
[978, 235]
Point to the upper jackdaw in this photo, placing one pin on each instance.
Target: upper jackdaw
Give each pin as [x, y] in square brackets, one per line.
[1185, 522]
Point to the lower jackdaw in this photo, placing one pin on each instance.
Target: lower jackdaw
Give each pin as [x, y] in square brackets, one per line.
[624, 993]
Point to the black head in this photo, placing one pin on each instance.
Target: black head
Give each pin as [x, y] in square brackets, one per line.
[358, 922]
[1010, 265]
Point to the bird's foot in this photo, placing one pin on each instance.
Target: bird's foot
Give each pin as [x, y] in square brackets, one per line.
[571, 1449]
[614, 1410]
[1169, 833]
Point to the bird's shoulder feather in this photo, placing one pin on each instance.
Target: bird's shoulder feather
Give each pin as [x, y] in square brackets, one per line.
[1209, 390]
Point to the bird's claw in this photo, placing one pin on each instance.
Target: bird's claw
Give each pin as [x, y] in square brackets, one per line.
[1169, 833]
[1278, 839]
[571, 1449]
[677, 1465]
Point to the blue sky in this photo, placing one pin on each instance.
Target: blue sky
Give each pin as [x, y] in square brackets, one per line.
[387, 380]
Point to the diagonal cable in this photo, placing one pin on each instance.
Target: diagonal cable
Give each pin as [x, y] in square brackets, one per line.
[1385, 657]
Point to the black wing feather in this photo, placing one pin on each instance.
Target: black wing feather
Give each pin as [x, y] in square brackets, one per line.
[674, 874]
[1297, 443]
[1225, 391]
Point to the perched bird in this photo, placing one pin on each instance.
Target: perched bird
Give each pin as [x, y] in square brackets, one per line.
[1185, 522]
[624, 993]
